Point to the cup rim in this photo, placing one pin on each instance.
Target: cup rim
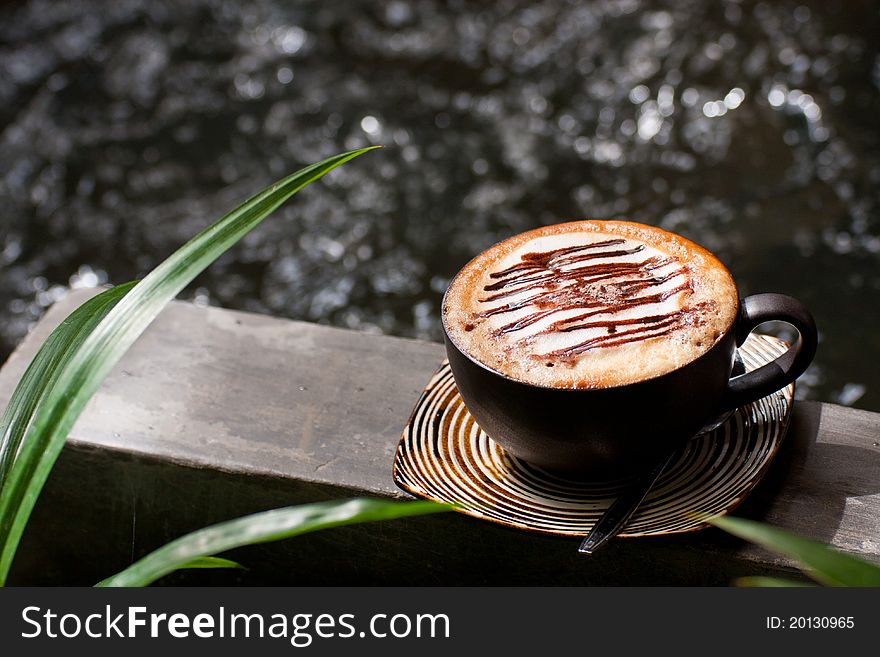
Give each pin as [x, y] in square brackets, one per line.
[730, 328]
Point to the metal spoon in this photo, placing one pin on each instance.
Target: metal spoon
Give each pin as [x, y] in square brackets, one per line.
[621, 510]
[613, 520]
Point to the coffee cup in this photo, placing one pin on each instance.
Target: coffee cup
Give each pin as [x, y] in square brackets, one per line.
[596, 347]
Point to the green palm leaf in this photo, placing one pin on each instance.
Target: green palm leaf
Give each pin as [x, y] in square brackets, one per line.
[210, 562]
[48, 413]
[43, 371]
[822, 563]
[262, 528]
[769, 583]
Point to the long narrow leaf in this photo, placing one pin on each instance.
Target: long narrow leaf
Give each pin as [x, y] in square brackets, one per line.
[102, 349]
[262, 528]
[41, 374]
[770, 583]
[822, 563]
[211, 563]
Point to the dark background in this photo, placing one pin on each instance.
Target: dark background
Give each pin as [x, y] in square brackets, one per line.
[750, 127]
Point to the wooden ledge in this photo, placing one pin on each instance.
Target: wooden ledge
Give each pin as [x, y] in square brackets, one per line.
[215, 413]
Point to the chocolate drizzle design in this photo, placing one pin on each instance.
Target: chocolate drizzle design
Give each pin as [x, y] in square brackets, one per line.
[565, 279]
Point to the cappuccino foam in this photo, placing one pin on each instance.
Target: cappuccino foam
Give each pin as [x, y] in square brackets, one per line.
[590, 304]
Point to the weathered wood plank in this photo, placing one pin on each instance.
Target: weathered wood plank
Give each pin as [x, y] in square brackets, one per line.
[215, 413]
[253, 394]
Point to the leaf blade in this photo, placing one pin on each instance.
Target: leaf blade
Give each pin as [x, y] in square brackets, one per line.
[42, 372]
[770, 583]
[822, 563]
[264, 527]
[211, 563]
[90, 363]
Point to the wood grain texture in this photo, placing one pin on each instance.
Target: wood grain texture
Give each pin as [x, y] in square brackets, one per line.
[215, 413]
[252, 394]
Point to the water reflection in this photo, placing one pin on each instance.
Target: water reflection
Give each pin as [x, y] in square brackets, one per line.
[747, 126]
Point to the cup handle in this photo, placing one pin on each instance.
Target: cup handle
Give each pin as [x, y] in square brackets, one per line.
[773, 376]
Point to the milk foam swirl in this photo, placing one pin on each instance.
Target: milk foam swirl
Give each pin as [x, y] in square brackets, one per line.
[595, 289]
[590, 304]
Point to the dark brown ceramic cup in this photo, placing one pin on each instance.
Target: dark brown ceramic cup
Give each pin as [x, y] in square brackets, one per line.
[612, 432]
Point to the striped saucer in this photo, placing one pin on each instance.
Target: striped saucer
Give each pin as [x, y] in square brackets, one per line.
[444, 456]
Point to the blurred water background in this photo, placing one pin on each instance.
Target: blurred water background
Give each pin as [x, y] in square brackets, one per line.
[750, 127]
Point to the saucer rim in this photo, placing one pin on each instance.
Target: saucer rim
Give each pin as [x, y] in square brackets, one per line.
[782, 431]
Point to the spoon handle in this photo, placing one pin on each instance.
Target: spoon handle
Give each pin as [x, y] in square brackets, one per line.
[613, 520]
